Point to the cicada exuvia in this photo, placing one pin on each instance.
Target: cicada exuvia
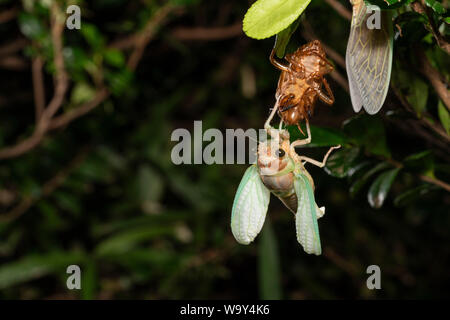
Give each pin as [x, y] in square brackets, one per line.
[302, 82]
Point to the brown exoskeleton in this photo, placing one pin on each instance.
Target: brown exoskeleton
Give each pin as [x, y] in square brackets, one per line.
[301, 81]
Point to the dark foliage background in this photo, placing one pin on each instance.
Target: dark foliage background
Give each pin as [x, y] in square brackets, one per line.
[100, 190]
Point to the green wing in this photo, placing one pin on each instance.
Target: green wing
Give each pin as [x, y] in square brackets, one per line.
[306, 216]
[249, 207]
[369, 59]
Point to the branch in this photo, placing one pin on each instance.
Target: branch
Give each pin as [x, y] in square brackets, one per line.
[421, 8]
[61, 79]
[68, 117]
[435, 78]
[208, 34]
[8, 15]
[339, 8]
[422, 177]
[142, 39]
[38, 86]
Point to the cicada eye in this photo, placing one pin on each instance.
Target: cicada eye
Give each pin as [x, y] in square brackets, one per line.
[280, 153]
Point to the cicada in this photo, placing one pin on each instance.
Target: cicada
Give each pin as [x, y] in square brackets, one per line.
[369, 58]
[279, 170]
[301, 82]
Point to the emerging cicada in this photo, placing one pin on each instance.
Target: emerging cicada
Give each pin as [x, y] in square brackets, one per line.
[279, 170]
[301, 81]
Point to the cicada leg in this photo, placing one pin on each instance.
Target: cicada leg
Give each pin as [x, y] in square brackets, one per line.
[322, 96]
[302, 141]
[318, 163]
[277, 63]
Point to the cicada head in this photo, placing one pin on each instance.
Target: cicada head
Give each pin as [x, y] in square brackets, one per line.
[273, 158]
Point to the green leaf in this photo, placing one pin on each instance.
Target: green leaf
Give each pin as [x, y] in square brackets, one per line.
[122, 242]
[282, 39]
[356, 187]
[36, 266]
[266, 18]
[422, 162]
[114, 57]
[444, 116]
[320, 137]
[418, 95]
[93, 36]
[269, 265]
[380, 188]
[368, 131]
[436, 6]
[412, 195]
[341, 161]
[82, 92]
[31, 26]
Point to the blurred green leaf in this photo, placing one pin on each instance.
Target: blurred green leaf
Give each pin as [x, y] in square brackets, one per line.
[368, 131]
[266, 18]
[36, 266]
[356, 187]
[82, 92]
[418, 95]
[31, 26]
[444, 116]
[92, 35]
[436, 6]
[269, 265]
[114, 58]
[412, 195]
[320, 136]
[341, 161]
[380, 188]
[121, 242]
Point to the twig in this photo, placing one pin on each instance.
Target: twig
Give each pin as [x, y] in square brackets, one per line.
[217, 33]
[13, 47]
[8, 15]
[339, 8]
[13, 63]
[435, 78]
[48, 188]
[38, 87]
[68, 117]
[421, 8]
[142, 39]
[422, 177]
[61, 80]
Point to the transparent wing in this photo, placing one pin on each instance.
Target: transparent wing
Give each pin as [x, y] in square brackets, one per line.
[306, 216]
[369, 58]
[249, 207]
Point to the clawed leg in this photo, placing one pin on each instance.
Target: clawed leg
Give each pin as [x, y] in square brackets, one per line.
[277, 63]
[324, 161]
[302, 141]
[322, 96]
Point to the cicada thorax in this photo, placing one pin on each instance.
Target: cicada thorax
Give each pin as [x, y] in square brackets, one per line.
[276, 169]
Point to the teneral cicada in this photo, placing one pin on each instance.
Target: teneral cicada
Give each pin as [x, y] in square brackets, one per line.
[369, 58]
[301, 82]
[279, 170]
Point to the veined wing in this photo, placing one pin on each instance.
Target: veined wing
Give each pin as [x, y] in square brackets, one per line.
[249, 207]
[306, 216]
[368, 59]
